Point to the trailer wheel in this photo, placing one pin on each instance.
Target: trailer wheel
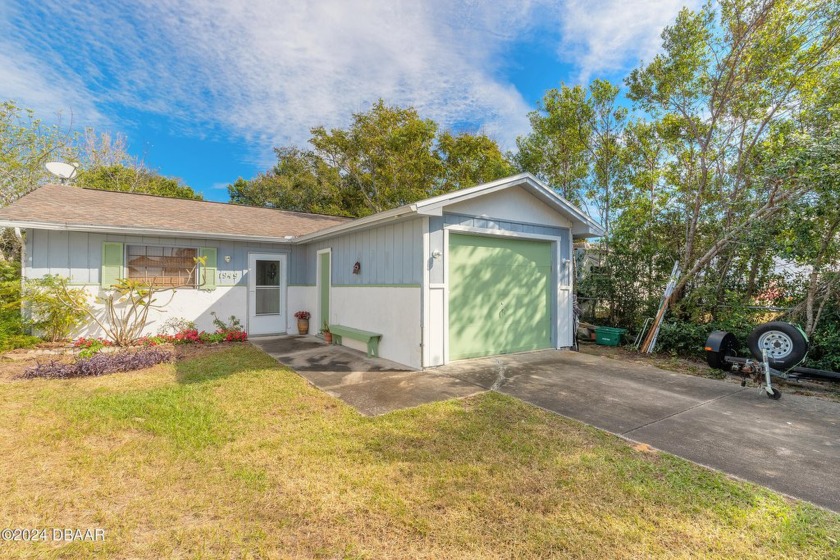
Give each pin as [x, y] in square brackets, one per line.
[776, 394]
[785, 344]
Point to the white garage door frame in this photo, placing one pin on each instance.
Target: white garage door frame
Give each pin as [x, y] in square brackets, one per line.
[556, 274]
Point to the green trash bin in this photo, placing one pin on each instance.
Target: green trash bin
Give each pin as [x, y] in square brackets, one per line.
[608, 336]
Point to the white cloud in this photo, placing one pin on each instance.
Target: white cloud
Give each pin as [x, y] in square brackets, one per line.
[267, 71]
[54, 92]
[608, 36]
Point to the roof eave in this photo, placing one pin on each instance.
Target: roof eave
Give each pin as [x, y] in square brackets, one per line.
[359, 223]
[146, 232]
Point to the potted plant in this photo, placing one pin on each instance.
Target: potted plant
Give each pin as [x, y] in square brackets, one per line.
[303, 321]
[327, 334]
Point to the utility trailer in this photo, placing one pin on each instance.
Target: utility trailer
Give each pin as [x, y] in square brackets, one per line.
[777, 349]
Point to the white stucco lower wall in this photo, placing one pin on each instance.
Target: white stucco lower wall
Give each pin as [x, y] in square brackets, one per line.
[194, 305]
[302, 298]
[394, 312]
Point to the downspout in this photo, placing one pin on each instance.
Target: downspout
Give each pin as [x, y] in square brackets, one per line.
[22, 241]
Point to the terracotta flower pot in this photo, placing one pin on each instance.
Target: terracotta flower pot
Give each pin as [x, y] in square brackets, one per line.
[303, 326]
[328, 337]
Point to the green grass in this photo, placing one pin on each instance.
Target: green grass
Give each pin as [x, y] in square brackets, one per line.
[229, 455]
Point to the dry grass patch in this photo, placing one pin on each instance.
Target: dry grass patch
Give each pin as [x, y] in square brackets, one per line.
[229, 455]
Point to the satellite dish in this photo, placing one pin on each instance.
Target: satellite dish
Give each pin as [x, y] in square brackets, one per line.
[63, 171]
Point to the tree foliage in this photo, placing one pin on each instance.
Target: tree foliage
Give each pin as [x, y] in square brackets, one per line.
[387, 157]
[121, 178]
[26, 144]
[726, 160]
[721, 86]
[557, 148]
[107, 165]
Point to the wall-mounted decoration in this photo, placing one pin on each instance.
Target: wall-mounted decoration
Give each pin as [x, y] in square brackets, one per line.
[227, 258]
[357, 268]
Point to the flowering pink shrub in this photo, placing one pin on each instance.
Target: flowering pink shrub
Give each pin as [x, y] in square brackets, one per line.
[226, 332]
[91, 342]
[236, 336]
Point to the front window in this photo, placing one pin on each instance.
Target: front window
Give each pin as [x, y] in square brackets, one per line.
[166, 267]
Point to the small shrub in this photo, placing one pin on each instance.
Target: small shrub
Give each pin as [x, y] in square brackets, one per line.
[91, 346]
[231, 331]
[100, 364]
[211, 338]
[233, 323]
[685, 339]
[12, 330]
[175, 325]
[56, 308]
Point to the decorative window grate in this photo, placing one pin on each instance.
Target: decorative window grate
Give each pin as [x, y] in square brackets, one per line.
[167, 267]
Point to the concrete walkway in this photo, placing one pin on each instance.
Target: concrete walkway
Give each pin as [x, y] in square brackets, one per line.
[791, 445]
[370, 385]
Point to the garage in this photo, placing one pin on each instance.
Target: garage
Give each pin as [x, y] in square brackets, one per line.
[500, 295]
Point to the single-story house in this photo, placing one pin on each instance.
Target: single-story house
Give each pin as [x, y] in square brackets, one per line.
[481, 271]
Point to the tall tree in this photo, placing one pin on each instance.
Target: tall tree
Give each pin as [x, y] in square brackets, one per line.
[107, 165]
[26, 144]
[300, 181]
[557, 149]
[723, 79]
[470, 159]
[606, 125]
[384, 159]
[387, 157]
[810, 234]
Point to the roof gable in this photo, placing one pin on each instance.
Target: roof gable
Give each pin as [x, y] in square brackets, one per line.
[581, 224]
[516, 204]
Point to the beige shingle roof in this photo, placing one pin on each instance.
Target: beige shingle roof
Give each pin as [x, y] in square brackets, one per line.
[69, 207]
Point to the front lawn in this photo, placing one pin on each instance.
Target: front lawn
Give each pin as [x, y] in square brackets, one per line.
[229, 455]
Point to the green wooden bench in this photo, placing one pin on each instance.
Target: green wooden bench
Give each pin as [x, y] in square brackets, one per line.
[371, 338]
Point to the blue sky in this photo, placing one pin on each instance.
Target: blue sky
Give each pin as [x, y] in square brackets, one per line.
[205, 90]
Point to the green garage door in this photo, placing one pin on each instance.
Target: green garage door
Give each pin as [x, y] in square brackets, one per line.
[499, 295]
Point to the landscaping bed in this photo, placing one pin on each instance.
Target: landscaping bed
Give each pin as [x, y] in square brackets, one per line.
[14, 363]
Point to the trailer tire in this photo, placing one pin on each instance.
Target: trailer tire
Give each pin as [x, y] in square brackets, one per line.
[786, 345]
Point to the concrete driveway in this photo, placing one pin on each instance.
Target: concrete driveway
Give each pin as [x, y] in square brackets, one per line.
[791, 445]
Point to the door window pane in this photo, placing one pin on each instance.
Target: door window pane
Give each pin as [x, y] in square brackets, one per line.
[268, 301]
[268, 273]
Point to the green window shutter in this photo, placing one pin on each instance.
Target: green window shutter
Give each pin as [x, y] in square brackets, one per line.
[112, 263]
[207, 275]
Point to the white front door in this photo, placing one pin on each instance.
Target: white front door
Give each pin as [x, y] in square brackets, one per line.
[266, 293]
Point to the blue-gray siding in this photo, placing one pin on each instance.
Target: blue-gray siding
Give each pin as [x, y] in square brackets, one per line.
[78, 255]
[388, 255]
